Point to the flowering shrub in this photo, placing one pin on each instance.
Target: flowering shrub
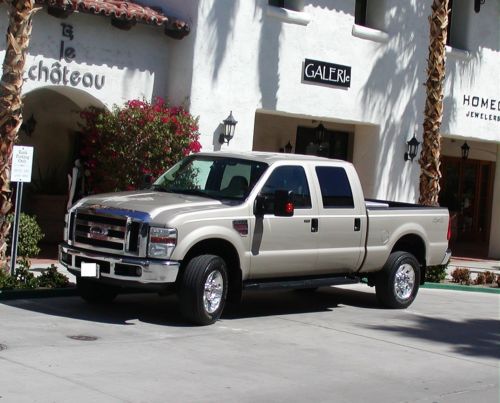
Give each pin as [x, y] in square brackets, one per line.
[119, 148]
[461, 275]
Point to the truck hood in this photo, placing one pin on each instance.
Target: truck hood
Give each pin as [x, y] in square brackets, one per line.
[150, 202]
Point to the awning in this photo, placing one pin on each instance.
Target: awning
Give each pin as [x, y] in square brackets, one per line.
[123, 14]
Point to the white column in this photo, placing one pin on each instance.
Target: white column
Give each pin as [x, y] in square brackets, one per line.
[494, 251]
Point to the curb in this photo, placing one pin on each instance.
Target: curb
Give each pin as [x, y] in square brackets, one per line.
[38, 293]
[457, 287]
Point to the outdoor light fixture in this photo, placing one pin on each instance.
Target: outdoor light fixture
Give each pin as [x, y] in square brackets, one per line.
[320, 133]
[465, 150]
[477, 5]
[229, 126]
[288, 147]
[29, 126]
[411, 148]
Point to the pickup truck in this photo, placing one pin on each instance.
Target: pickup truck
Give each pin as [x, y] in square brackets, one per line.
[218, 223]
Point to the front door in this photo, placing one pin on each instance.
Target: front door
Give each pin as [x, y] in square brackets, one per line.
[467, 191]
[285, 246]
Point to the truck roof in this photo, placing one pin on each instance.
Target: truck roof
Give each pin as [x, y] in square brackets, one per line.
[267, 157]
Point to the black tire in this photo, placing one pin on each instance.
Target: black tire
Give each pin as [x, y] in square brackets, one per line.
[94, 292]
[203, 289]
[397, 284]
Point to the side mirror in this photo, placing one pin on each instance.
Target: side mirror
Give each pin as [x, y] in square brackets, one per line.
[283, 203]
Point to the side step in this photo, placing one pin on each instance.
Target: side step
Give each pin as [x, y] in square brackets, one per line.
[298, 283]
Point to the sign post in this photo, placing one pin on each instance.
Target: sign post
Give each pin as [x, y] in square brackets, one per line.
[22, 162]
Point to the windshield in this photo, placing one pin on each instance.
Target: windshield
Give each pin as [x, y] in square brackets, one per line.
[212, 176]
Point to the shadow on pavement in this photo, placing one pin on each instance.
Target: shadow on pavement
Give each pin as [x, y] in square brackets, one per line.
[164, 311]
[474, 337]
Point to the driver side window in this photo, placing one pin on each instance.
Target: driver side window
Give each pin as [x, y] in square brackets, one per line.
[288, 178]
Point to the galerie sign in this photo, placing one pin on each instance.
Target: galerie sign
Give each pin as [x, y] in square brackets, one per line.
[327, 73]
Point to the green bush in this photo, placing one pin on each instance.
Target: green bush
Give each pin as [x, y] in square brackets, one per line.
[51, 278]
[30, 234]
[435, 274]
[24, 279]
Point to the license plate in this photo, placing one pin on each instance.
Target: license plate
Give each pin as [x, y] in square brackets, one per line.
[89, 270]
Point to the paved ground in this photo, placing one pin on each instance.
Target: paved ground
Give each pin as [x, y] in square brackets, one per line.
[335, 345]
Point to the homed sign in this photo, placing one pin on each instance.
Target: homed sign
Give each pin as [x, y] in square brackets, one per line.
[327, 73]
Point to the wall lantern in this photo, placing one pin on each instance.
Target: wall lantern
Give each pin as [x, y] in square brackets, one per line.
[465, 150]
[477, 5]
[29, 126]
[229, 126]
[320, 133]
[288, 147]
[411, 148]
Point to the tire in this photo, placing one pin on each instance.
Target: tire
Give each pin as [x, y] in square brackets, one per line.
[203, 289]
[397, 284]
[94, 292]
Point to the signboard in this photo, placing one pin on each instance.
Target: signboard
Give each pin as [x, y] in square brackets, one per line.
[327, 73]
[22, 161]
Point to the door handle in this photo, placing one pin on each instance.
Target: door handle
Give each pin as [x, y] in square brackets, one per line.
[357, 224]
[314, 225]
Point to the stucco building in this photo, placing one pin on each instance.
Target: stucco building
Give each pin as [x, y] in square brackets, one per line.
[284, 68]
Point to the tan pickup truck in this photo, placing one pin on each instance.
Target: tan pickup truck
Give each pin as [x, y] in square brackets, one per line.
[218, 223]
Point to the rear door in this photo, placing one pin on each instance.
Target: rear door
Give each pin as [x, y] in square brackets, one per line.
[286, 246]
[342, 224]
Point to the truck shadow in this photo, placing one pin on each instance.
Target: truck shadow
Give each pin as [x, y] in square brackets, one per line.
[265, 303]
[164, 311]
[472, 337]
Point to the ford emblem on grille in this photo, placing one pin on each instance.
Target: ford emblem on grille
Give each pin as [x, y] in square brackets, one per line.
[98, 232]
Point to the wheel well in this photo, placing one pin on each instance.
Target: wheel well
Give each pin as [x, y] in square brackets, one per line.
[412, 244]
[228, 253]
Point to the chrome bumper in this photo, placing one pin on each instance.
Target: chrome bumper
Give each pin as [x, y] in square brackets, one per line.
[127, 269]
[447, 257]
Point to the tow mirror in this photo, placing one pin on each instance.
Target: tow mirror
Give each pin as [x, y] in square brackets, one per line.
[283, 203]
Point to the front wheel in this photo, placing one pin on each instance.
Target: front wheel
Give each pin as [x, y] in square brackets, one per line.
[203, 289]
[398, 281]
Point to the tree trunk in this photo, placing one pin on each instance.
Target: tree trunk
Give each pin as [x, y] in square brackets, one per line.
[433, 114]
[18, 35]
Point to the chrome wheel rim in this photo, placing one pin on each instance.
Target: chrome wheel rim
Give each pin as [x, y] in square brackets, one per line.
[404, 281]
[212, 296]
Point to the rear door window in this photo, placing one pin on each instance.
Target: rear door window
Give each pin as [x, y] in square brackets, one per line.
[335, 187]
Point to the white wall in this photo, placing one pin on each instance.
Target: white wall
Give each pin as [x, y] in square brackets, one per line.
[130, 68]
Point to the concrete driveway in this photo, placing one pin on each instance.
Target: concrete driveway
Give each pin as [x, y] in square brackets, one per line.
[334, 345]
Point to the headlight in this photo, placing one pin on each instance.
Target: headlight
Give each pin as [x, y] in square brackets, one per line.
[162, 242]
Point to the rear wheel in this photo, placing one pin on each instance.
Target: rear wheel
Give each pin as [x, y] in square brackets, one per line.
[203, 289]
[94, 292]
[397, 284]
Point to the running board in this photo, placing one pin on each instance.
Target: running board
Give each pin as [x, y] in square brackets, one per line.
[283, 284]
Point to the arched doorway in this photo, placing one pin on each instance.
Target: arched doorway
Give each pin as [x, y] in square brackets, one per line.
[51, 127]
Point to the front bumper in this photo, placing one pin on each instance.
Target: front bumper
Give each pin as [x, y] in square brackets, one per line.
[122, 269]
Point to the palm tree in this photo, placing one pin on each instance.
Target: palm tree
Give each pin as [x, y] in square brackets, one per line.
[18, 36]
[433, 114]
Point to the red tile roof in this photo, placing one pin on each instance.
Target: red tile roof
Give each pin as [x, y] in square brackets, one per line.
[124, 13]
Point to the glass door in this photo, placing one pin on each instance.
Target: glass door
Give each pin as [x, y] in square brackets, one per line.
[467, 191]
